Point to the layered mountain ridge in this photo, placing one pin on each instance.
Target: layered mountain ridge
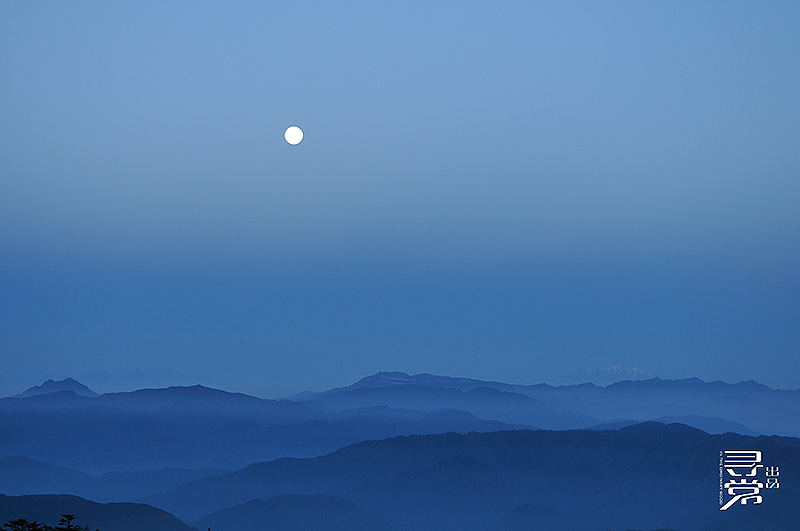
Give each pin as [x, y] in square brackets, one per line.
[230, 430]
[395, 451]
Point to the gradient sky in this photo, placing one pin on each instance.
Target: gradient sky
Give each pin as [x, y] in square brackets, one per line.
[521, 192]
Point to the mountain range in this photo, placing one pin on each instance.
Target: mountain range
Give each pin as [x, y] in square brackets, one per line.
[396, 451]
[152, 428]
[647, 476]
[753, 406]
[644, 477]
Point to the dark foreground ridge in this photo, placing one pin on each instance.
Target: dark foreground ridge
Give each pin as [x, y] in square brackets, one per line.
[102, 516]
[646, 476]
[295, 512]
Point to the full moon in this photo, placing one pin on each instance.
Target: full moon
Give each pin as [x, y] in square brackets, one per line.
[293, 135]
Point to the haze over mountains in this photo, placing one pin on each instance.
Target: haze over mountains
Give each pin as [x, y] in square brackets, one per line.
[644, 477]
[149, 428]
[742, 407]
[399, 451]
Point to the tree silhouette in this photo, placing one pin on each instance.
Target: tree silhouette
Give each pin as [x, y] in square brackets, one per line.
[65, 524]
[23, 525]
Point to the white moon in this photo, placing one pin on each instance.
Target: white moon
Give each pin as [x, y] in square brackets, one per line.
[293, 135]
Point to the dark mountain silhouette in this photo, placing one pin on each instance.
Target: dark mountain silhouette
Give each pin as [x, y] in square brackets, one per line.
[54, 386]
[295, 512]
[646, 476]
[707, 424]
[23, 476]
[106, 516]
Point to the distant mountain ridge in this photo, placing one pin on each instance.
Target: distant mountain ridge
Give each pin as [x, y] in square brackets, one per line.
[197, 427]
[383, 379]
[55, 386]
[746, 407]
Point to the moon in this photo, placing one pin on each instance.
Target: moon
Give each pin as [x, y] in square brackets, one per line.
[293, 135]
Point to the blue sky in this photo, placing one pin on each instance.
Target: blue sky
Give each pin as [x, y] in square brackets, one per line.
[523, 192]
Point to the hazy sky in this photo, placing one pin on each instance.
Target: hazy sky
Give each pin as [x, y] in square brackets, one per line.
[521, 192]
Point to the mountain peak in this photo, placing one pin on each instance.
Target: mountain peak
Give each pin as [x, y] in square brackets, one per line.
[387, 379]
[390, 377]
[55, 386]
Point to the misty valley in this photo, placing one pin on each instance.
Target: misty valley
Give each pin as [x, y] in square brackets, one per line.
[394, 451]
